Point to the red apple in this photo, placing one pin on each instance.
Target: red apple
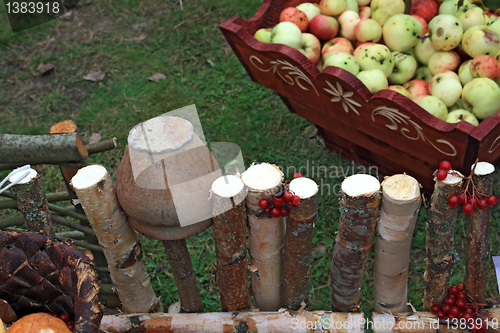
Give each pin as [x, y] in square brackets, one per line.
[294, 15]
[418, 89]
[426, 9]
[425, 26]
[485, 66]
[334, 45]
[324, 27]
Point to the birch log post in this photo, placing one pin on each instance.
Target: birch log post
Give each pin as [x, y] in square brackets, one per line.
[228, 201]
[478, 234]
[266, 236]
[359, 211]
[33, 203]
[68, 172]
[216, 322]
[398, 215]
[119, 241]
[298, 242]
[440, 240]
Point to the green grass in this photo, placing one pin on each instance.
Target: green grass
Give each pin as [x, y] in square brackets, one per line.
[130, 41]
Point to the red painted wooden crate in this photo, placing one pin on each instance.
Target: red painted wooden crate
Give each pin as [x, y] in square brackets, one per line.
[385, 129]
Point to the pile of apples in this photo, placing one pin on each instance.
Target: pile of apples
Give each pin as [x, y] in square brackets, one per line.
[444, 55]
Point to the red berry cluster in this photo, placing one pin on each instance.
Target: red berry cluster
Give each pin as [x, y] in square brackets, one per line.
[469, 197]
[280, 204]
[460, 307]
[66, 318]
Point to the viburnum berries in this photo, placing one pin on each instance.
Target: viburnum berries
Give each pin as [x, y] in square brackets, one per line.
[281, 203]
[469, 197]
[460, 307]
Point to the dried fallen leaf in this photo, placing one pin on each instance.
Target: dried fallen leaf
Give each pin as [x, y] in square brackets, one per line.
[321, 249]
[139, 38]
[44, 69]
[157, 77]
[95, 138]
[95, 76]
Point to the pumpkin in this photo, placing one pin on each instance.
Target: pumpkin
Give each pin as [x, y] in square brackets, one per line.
[39, 323]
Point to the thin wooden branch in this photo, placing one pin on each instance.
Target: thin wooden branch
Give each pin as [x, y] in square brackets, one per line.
[41, 149]
[67, 223]
[184, 276]
[51, 197]
[101, 146]
[11, 221]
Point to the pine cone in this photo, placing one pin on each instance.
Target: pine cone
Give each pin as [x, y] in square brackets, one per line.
[39, 273]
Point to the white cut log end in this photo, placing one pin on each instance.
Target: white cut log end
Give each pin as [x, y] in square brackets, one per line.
[88, 176]
[483, 169]
[453, 177]
[161, 134]
[262, 176]
[360, 185]
[303, 187]
[15, 178]
[401, 187]
[227, 186]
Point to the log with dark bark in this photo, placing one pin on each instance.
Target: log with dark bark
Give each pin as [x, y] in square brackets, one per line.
[440, 240]
[359, 211]
[478, 234]
[298, 243]
[228, 201]
[32, 202]
[41, 149]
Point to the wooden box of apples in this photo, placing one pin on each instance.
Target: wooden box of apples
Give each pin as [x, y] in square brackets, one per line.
[381, 89]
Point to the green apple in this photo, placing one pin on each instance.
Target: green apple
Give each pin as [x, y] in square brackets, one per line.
[482, 96]
[464, 73]
[423, 73]
[287, 33]
[479, 40]
[401, 32]
[393, 6]
[446, 32]
[368, 30]
[376, 56]
[343, 60]
[310, 47]
[352, 5]
[263, 35]
[399, 89]
[434, 106]
[374, 79]
[451, 6]
[470, 15]
[332, 7]
[458, 115]
[310, 9]
[424, 49]
[447, 87]
[405, 66]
